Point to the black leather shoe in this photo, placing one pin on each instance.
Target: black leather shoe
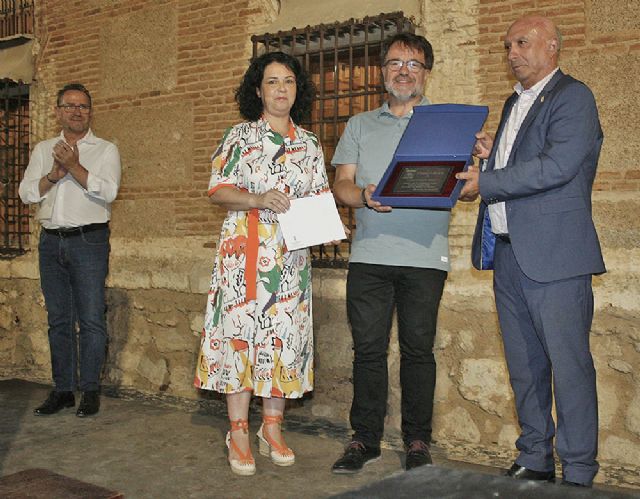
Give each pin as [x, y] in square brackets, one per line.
[89, 404]
[574, 484]
[521, 473]
[56, 401]
[417, 455]
[355, 456]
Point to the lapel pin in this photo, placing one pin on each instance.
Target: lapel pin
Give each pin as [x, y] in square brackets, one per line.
[541, 99]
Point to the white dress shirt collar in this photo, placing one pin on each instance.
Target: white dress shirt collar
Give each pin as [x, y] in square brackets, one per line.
[88, 138]
[537, 88]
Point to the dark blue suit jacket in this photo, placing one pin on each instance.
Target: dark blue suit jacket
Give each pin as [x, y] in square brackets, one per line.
[547, 185]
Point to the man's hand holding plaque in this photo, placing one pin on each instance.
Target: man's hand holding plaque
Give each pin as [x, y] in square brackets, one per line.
[471, 189]
[435, 148]
[371, 203]
[481, 150]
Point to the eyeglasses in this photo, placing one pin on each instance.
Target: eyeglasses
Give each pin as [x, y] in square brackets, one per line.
[70, 108]
[397, 64]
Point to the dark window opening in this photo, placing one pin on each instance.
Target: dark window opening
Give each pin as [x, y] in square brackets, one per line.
[344, 62]
[14, 157]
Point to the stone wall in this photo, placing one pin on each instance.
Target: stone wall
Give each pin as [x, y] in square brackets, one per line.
[162, 74]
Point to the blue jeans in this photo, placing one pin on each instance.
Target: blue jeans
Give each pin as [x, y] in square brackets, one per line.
[73, 270]
[373, 291]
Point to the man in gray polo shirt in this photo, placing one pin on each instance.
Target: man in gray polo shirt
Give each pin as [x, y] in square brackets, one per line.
[399, 258]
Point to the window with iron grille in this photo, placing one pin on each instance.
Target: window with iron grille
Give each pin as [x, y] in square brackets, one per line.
[14, 157]
[16, 17]
[343, 60]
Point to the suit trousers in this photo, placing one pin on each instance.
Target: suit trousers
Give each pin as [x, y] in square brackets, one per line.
[545, 330]
[73, 270]
[373, 291]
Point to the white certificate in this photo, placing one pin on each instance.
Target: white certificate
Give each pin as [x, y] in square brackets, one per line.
[310, 221]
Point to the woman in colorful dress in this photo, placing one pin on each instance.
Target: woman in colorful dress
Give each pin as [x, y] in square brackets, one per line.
[258, 335]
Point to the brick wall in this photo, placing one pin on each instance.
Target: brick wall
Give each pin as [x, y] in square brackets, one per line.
[588, 27]
[152, 63]
[163, 73]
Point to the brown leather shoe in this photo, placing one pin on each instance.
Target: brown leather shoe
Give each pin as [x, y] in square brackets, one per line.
[417, 455]
[56, 401]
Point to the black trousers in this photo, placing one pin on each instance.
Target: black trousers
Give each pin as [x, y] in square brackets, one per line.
[372, 293]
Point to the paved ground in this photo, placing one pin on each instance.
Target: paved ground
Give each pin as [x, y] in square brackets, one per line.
[150, 450]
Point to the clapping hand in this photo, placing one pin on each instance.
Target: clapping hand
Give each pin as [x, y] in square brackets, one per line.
[67, 156]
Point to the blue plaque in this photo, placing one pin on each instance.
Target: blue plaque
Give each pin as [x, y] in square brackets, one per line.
[436, 144]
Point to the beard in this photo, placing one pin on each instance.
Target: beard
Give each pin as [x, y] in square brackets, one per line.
[401, 96]
[76, 126]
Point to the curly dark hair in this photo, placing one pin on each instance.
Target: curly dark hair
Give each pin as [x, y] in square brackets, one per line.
[250, 105]
[414, 42]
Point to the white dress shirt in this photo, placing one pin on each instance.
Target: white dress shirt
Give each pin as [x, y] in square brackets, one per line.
[68, 204]
[526, 98]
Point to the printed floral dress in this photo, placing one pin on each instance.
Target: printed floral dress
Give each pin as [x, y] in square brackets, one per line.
[258, 332]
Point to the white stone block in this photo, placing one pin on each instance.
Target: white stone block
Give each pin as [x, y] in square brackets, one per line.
[153, 371]
[458, 425]
[632, 421]
[485, 382]
[619, 450]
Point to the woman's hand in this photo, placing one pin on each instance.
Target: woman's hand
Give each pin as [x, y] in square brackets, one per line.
[273, 200]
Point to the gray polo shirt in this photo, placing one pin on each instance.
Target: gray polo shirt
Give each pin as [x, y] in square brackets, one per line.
[403, 237]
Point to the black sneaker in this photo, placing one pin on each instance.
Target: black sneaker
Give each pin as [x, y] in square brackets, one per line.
[56, 401]
[355, 456]
[417, 455]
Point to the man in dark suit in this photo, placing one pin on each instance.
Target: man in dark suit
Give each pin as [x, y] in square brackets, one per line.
[536, 231]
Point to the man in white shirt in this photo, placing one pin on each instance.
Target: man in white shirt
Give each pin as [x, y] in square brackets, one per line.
[74, 178]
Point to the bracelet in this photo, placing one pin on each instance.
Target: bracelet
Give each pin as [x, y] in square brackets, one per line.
[364, 199]
[52, 181]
